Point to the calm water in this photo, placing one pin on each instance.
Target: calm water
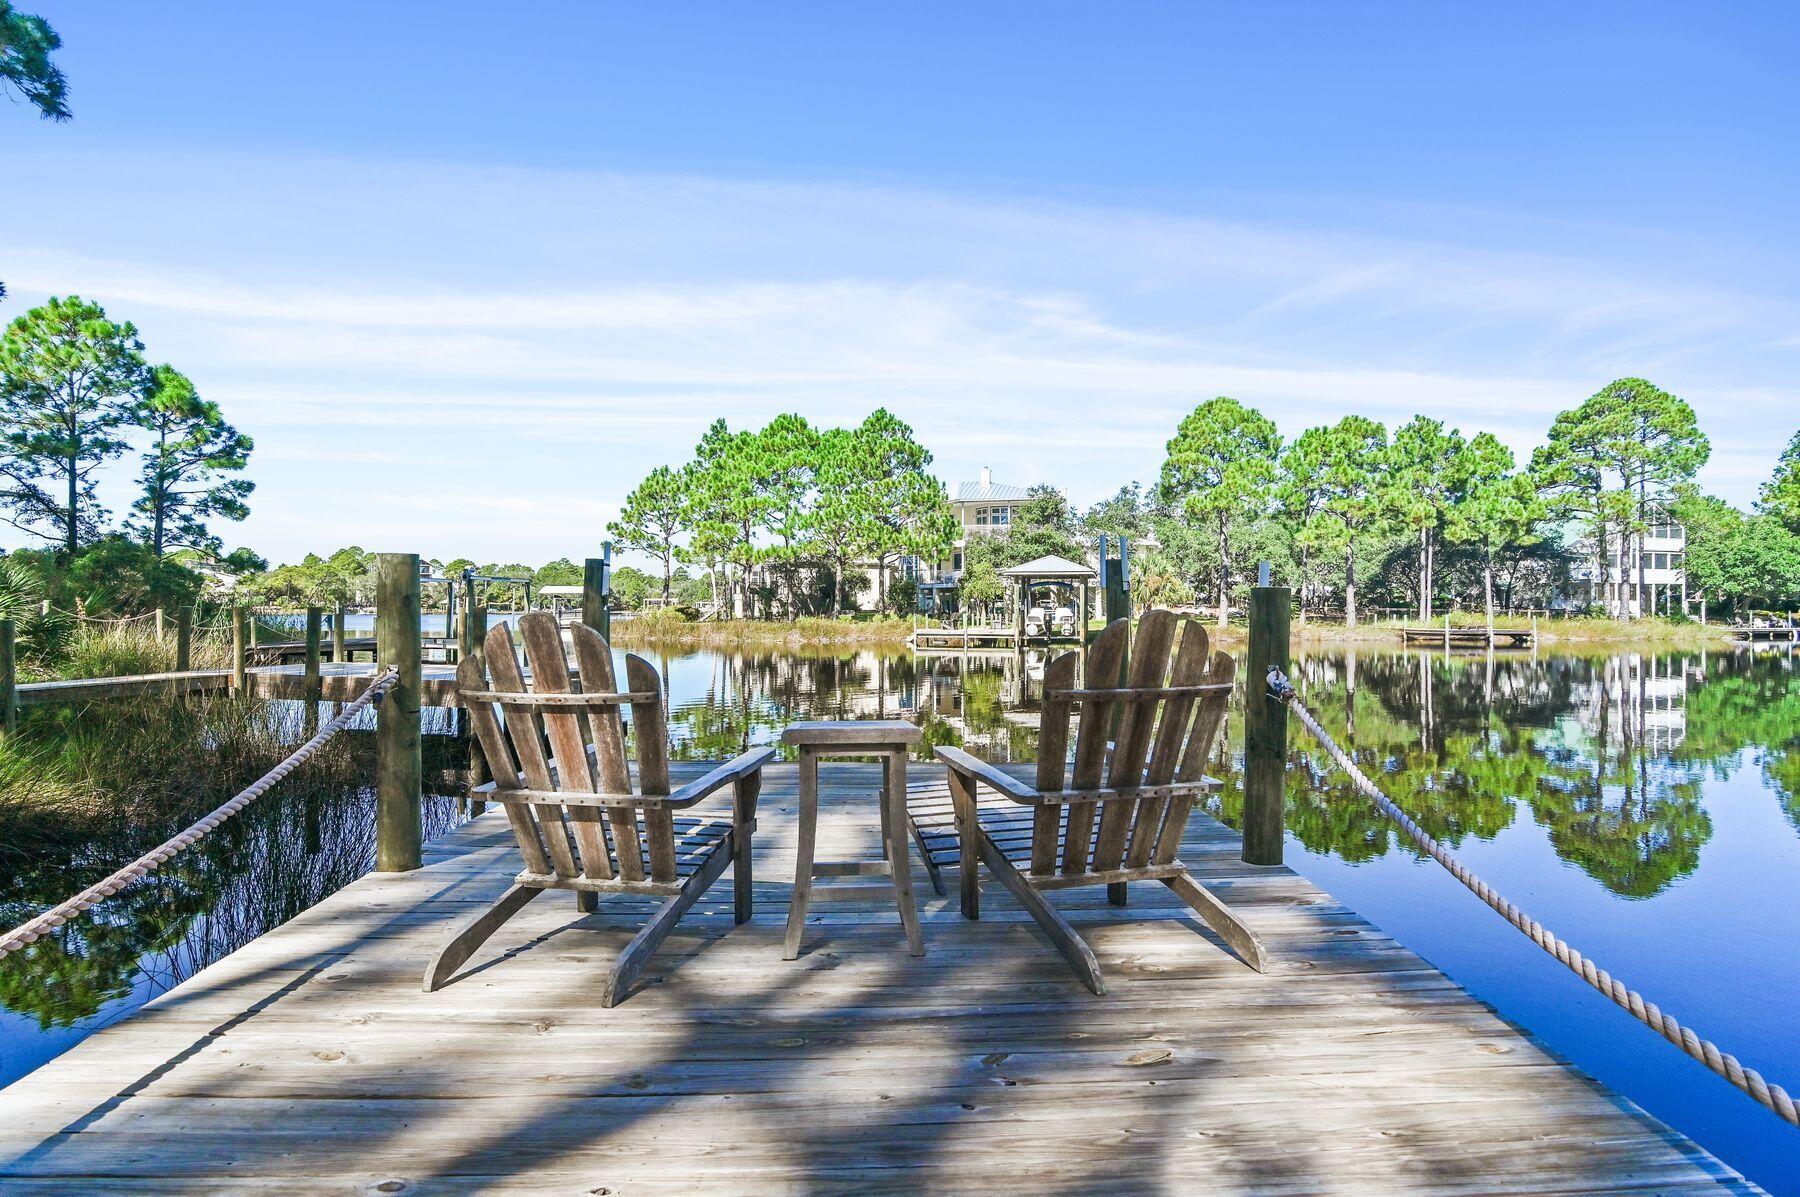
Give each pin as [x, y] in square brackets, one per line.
[1647, 808]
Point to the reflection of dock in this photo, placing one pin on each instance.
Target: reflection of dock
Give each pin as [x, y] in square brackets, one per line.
[1475, 637]
[977, 639]
[309, 1060]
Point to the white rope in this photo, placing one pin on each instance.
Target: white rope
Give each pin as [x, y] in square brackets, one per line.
[90, 897]
[1773, 1097]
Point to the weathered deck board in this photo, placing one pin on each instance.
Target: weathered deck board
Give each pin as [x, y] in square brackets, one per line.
[310, 1061]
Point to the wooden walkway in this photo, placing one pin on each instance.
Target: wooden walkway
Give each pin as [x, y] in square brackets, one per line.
[310, 1062]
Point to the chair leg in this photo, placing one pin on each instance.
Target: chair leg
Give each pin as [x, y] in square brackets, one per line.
[931, 868]
[899, 855]
[803, 864]
[1220, 918]
[743, 903]
[743, 813]
[630, 964]
[474, 932]
[1074, 949]
[962, 797]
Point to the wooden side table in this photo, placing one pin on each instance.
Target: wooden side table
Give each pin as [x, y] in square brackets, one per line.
[890, 739]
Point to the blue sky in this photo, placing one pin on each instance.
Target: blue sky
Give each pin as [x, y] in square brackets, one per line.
[466, 273]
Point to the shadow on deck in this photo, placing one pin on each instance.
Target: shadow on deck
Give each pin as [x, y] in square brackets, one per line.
[310, 1061]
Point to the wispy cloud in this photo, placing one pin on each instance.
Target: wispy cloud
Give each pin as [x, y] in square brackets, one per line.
[560, 333]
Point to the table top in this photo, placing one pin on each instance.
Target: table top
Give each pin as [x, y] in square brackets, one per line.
[852, 733]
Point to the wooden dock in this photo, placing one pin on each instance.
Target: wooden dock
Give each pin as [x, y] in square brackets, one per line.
[310, 1062]
[1469, 637]
[1766, 635]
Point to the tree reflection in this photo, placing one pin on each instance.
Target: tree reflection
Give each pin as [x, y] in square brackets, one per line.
[161, 766]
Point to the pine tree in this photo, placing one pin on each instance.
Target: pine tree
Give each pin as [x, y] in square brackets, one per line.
[191, 446]
[1221, 468]
[69, 381]
[653, 517]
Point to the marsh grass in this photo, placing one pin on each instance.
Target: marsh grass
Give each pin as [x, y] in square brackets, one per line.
[136, 770]
[670, 629]
[120, 650]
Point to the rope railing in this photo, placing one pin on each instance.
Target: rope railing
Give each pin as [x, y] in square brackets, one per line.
[1751, 1082]
[29, 932]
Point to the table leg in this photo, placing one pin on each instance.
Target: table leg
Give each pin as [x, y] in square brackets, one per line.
[803, 867]
[893, 809]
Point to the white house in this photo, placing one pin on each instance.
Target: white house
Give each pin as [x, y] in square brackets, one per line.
[982, 508]
[1662, 554]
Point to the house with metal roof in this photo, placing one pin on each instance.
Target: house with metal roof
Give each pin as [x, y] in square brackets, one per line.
[983, 507]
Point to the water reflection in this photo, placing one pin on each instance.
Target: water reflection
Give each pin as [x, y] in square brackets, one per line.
[1610, 756]
[279, 857]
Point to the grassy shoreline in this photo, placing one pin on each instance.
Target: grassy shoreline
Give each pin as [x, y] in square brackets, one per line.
[1577, 633]
[655, 631]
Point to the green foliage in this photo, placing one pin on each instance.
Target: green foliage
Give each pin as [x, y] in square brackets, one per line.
[803, 504]
[26, 43]
[653, 517]
[1427, 474]
[345, 577]
[119, 576]
[69, 380]
[979, 585]
[37, 635]
[191, 446]
[1498, 509]
[1620, 453]
[1781, 493]
[561, 572]
[1749, 560]
[1347, 463]
[631, 588]
[1220, 468]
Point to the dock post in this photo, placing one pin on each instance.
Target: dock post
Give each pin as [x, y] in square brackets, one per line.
[398, 768]
[1265, 726]
[184, 638]
[340, 638]
[239, 616]
[596, 607]
[315, 619]
[9, 679]
[474, 648]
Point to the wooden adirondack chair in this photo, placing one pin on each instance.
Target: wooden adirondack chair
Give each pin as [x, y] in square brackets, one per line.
[1163, 719]
[579, 823]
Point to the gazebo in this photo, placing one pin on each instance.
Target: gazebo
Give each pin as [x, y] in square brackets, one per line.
[1054, 569]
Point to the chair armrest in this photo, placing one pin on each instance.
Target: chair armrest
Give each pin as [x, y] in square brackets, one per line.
[975, 768]
[732, 770]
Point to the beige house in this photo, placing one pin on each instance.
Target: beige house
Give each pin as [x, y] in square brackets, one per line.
[982, 508]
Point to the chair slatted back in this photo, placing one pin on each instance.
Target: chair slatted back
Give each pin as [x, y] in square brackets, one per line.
[543, 747]
[1144, 699]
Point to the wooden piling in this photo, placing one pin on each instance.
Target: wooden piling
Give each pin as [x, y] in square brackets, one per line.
[340, 636]
[184, 639]
[9, 679]
[1265, 726]
[315, 686]
[399, 830]
[474, 640]
[596, 606]
[238, 649]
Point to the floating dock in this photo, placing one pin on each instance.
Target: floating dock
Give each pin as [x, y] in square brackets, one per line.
[1470, 637]
[310, 1062]
[1774, 635]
